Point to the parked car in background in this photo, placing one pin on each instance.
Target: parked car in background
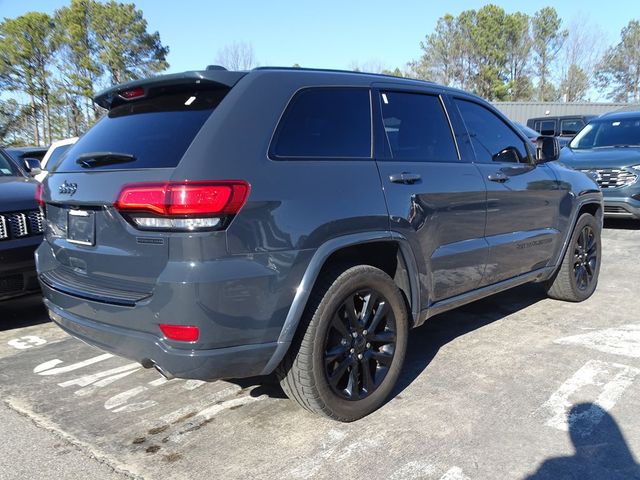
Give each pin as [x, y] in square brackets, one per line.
[608, 148]
[53, 156]
[191, 234]
[530, 133]
[19, 154]
[565, 127]
[21, 228]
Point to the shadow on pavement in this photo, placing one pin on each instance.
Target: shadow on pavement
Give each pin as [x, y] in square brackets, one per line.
[22, 312]
[426, 340]
[600, 451]
[621, 224]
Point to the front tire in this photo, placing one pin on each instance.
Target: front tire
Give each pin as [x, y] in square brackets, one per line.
[577, 277]
[350, 347]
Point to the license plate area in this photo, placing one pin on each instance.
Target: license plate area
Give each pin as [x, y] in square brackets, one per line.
[81, 227]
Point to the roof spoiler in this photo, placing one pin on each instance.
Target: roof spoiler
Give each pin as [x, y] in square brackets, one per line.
[215, 78]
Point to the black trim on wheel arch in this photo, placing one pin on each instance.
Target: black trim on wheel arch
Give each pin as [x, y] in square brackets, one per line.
[313, 270]
[586, 199]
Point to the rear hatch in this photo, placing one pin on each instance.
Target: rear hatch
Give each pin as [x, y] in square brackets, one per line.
[109, 235]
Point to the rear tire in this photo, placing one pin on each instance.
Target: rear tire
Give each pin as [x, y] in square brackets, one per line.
[350, 346]
[577, 277]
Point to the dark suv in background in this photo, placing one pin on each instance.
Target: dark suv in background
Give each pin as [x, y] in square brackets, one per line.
[219, 224]
[21, 227]
[609, 150]
[565, 127]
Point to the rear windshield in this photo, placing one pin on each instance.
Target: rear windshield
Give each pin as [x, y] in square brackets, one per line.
[156, 130]
[608, 133]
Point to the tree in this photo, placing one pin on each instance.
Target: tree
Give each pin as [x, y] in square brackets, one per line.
[580, 54]
[26, 53]
[124, 46]
[394, 73]
[548, 39]
[619, 71]
[77, 56]
[518, 49]
[489, 52]
[575, 84]
[237, 56]
[442, 50]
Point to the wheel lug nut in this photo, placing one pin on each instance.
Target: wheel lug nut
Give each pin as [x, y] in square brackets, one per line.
[354, 334]
[364, 332]
[368, 345]
[352, 350]
[359, 356]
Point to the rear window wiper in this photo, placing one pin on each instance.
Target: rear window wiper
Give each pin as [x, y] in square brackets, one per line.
[96, 159]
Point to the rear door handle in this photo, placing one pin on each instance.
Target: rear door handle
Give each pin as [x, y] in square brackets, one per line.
[405, 178]
[498, 177]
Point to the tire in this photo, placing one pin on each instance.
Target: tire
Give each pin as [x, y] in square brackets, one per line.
[340, 388]
[577, 277]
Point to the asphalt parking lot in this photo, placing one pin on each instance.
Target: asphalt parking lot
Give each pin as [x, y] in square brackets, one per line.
[514, 386]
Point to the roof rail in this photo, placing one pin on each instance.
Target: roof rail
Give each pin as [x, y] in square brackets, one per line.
[215, 67]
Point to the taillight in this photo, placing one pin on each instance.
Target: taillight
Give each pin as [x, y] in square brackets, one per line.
[39, 199]
[181, 333]
[182, 205]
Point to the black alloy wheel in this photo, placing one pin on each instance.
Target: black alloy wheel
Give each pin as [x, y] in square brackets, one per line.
[585, 258]
[360, 344]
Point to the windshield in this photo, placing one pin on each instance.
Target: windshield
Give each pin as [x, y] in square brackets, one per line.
[608, 133]
[7, 169]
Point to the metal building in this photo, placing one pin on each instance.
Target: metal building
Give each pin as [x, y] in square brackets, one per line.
[522, 111]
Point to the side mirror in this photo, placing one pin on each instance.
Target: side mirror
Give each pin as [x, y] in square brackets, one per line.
[32, 165]
[547, 149]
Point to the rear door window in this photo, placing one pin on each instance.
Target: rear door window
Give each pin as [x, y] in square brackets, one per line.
[325, 122]
[417, 128]
[156, 130]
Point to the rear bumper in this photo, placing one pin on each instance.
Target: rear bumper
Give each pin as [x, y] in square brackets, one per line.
[17, 269]
[150, 350]
[239, 303]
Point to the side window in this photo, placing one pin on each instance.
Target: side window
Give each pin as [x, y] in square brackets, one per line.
[492, 139]
[547, 127]
[571, 126]
[325, 122]
[417, 128]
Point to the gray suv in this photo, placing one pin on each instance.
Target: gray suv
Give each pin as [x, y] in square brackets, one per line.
[219, 224]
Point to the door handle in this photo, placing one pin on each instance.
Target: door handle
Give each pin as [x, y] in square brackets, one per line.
[498, 177]
[405, 178]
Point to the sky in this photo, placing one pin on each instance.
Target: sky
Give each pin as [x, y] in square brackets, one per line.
[327, 33]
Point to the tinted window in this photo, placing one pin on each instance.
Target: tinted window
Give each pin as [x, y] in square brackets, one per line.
[546, 127]
[6, 167]
[417, 128]
[326, 123]
[608, 133]
[156, 130]
[56, 156]
[491, 137]
[571, 126]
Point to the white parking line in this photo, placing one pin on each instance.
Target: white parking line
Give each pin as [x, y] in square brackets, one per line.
[207, 414]
[611, 379]
[454, 473]
[623, 340]
[46, 368]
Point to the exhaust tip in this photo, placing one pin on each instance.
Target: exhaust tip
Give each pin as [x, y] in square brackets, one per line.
[166, 375]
